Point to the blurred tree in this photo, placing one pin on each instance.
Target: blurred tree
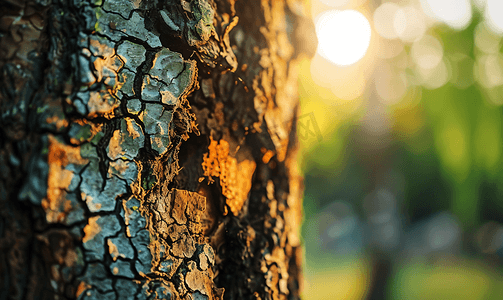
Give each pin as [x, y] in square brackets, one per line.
[148, 149]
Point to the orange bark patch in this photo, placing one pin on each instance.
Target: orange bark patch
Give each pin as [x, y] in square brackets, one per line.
[91, 229]
[267, 156]
[188, 207]
[198, 280]
[82, 288]
[62, 154]
[59, 155]
[101, 102]
[114, 251]
[235, 178]
[60, 123]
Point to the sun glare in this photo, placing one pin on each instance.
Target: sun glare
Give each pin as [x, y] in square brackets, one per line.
[343, 36]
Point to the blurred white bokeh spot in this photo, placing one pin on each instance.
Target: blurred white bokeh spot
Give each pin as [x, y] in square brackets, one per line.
[335, 3]
[409, 24]
[494, 15]
[345, 82]
[433, 78]
[427, 52]
[389, 48]
[343, 36]
[488, 70]
[391, 84]
[443, 232]
[486, 40]
[455, 13]
[384, 17]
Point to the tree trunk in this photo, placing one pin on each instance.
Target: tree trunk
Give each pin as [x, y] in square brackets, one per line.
[148, 149]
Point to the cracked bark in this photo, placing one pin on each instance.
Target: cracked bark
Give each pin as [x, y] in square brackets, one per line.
[147, 149]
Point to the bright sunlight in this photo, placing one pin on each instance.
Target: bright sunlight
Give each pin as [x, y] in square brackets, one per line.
[343, 36]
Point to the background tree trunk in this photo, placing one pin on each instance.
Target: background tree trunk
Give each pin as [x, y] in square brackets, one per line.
[147, 149]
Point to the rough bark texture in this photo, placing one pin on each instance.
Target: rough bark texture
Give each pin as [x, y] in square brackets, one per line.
[147, 149]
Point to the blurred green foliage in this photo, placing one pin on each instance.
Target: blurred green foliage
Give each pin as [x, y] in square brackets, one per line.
[453, 161]
[447, 150]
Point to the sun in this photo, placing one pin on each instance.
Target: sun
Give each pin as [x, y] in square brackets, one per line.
[343, 36]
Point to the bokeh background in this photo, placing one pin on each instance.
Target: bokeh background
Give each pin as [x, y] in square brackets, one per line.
[401, 149]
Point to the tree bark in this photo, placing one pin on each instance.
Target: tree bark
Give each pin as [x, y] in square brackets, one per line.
[148, 149]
